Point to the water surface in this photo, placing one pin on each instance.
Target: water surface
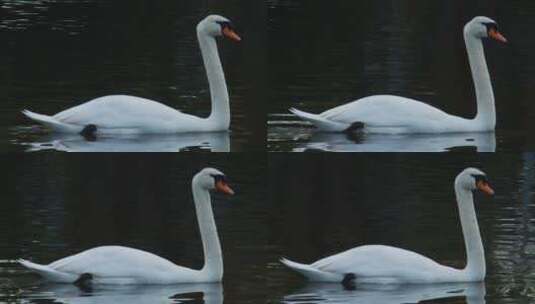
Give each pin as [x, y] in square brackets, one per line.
[186, 142]
[303, 208]
[54, 206]
[325, 204]
[58, 54]
[321, 56]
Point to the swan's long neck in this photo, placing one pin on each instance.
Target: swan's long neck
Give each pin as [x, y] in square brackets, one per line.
[213, 259]
[475, 254]
[220, 115]
[486, 111]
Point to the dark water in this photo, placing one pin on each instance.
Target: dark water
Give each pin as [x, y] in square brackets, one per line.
[325, 205]
[54, 206]
[302, 207]
[58, 54]
[188, 142]
[321, 56]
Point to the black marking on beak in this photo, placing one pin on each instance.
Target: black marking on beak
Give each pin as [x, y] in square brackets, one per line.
[480, 178]
[491, 26]
[226, 24]
[220, 178]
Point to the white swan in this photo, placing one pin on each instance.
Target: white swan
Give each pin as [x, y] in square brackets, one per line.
[119, 114]
[393, 114]
[379, 264]
[123, 265]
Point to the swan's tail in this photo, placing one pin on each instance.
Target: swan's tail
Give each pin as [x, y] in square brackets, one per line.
[311, 273]
[51, 122]
[48, 273]
[320, 122]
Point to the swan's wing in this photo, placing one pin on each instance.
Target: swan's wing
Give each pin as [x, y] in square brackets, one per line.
[114, 261]
[386, 111]
[387, 262]
[120, 111]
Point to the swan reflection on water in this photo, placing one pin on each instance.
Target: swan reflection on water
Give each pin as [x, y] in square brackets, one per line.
[387, 294]
[481, 142]
[184, 293]
[214, 142]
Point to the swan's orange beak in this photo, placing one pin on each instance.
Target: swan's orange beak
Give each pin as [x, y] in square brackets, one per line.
[223, 187]
[485, 187]
[494, 34]
[230, 34]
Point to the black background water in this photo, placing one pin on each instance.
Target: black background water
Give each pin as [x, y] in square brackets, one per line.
[327, 204]
[317, 55]
[307, 54]
[55, 206]
[323, 55]
[303, 207]
[57, 54]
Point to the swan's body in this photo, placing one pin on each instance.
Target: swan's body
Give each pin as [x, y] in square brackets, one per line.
[115, 265]
[123, 265]
[389, 265]
[393, 114]
[120, 114]
[381, 265]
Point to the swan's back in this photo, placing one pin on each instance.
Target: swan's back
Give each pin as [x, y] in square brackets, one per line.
[124, 112]
[385, 263]
[395, 112]
[118, 261]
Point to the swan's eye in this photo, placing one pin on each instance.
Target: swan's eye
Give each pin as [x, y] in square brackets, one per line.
[219, 178]
[491, 26]
[480, 178]
[225, 24]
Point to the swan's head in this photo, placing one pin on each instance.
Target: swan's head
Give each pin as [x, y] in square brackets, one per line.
[484, 27]
[213, 179]
[473, 179]
[217, 26]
